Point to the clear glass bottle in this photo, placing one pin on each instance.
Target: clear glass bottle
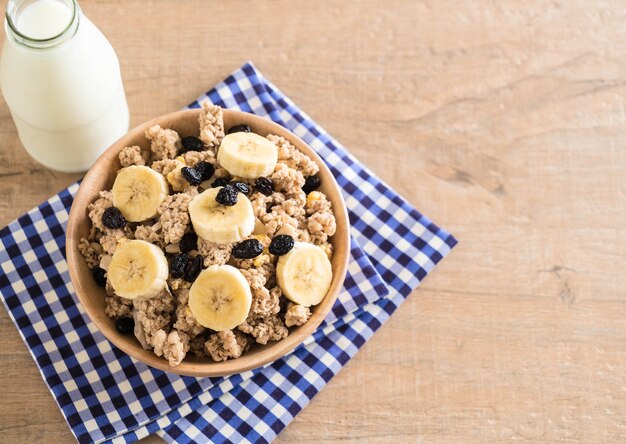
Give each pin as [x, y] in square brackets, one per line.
[61, 79]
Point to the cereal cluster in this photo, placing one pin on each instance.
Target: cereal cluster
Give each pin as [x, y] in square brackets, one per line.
[165, 323]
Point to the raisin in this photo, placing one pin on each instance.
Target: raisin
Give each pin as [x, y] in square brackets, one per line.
[311, 183]
[239, 129]
[188, 242]
[99, 275]
[220, 182]
[125, 325]
[191, 175]
[193, 268]
[191, 143]
[281, 244]
[241, 186]
[112, 218]
[205, 169]
[227, 195]
[248, 249]
[178, 264]
[264, 185]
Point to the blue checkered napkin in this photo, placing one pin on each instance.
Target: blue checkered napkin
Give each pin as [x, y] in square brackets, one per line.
[101, 391]
[403, 244]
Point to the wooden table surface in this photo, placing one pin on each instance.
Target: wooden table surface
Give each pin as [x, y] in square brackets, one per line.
[503, 121]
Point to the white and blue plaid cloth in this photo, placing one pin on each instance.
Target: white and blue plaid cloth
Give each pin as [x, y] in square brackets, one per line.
[106, 396]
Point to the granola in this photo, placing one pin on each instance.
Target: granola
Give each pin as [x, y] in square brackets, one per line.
[164, 321]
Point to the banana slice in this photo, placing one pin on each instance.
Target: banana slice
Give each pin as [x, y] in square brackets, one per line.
[138, 191]
[138, 269]
[304, 274]
[247, 155]
[220, 298]
[220, 223]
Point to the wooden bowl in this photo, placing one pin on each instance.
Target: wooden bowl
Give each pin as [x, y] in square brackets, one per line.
[101, 177]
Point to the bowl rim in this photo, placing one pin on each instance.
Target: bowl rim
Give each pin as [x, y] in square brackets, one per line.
[210, 368]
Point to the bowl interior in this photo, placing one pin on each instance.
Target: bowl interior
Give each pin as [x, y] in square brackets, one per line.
[101, 177]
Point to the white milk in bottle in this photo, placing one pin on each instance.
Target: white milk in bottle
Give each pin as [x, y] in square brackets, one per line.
[61, 79]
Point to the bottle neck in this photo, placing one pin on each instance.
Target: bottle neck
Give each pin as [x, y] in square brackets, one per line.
[64, 25]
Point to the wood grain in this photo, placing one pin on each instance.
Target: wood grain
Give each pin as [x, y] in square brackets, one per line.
[503, 121]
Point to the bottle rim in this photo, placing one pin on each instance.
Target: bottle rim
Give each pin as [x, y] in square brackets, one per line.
[14, 8]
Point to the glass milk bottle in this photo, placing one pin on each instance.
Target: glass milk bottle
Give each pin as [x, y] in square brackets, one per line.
[61, 80]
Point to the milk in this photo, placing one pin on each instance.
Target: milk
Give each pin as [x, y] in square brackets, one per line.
[44, 19]
[61, 79]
